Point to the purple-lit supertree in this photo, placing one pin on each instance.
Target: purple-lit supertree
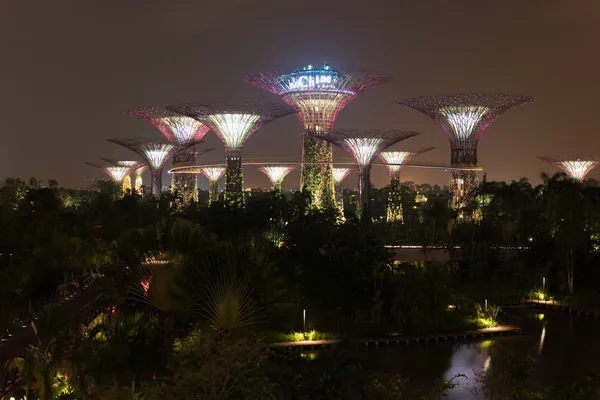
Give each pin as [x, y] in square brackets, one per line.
[364, 146]
[464, 118]
[118, 171]
[317, 96]
[394, 161]
[156, 153]
[180, 130]
[339, 174]
[233, 123]
[277, 173]
[576, 169]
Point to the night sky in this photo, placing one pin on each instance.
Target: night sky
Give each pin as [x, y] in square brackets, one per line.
[70, 66]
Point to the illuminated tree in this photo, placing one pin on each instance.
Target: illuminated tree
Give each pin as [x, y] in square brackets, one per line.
[233, 124]
[575, 168]
[277, 173]
[139, 183]
[317, 96]
[464, 118]
[118, 171]
[213, 174]
[394, 161]
[364, 146]
[156, 153]
[180, 130]
[339, 174]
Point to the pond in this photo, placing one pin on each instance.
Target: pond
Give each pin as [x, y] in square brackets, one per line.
[565, 348]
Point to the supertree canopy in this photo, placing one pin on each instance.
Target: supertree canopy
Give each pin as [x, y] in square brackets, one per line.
[394, 160]
[156, 153]
[180, 130]
[364, 146]
[233, 123]
[118, 171]
[339, 174]
[575, 168]
[317, 95]
[213, 174]
[464, 118]
[277, 173]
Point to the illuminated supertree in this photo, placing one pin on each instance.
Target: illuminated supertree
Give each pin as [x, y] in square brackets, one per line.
[180, 130]
[575, 168]
[364, 146]
[139, 182]
[233, 124]
[394, 160]
[156, 153]
[464, 118]
[317, 96]
[339, 174]
[213, 174]
[118, 171]
[277, 173]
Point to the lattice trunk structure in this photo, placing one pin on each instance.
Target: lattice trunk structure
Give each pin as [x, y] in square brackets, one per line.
[182, 131]
[233, 124]
[394, 159]
[364, 146]
[156, 153]
[118, 171]
[139, 182]
[277, 173]
[213, 175]
[464, 118]
[317, 96]
[576, 169]
[339, 174]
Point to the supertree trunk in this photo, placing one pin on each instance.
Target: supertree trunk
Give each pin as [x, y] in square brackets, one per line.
[213, 191]
[186, 184]
[318, 178]
[339, 199]
[126, 183]
[234, 179]
[156, 185]
[394, 206]
[463, 185]
[363, 201]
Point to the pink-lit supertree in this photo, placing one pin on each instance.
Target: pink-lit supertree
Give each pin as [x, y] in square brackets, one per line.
[233, 123]
[464, 118]
[339, 174]
[180, 130]
[576, 168]
[394, 161]
[364, 146]
[317, 95]
[118, 171]
[276, 173]
[156, 153]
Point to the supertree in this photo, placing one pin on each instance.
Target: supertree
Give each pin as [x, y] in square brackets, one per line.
[277, 173]
[138, 185]
[339, 174]
[180, 130]
[464, 118]
[213, 174]
[575, 168]
[118, 171]
[156, 153]
[233, 123]
[134, 165]
[317, 95]
[394, 161]
[364, 146]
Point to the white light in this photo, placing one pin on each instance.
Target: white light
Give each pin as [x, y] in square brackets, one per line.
[234, 129]
[157, 154]
[276, 173]
[363, 149]
[339, 174]
[464, 119]
[213, 174]
[577, 169]
[118, 173]
[396, 157]
[184, 129]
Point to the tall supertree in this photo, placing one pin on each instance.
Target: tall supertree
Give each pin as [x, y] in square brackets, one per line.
[180, 130]
[317, 95]
[394, 161]
[156, 153]
[464, 118]
[364, 146]
[213, 174]
[233, 123]
[138, 185]
[575, 168]
[118, 171]
[339, 174]
[277, 173]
